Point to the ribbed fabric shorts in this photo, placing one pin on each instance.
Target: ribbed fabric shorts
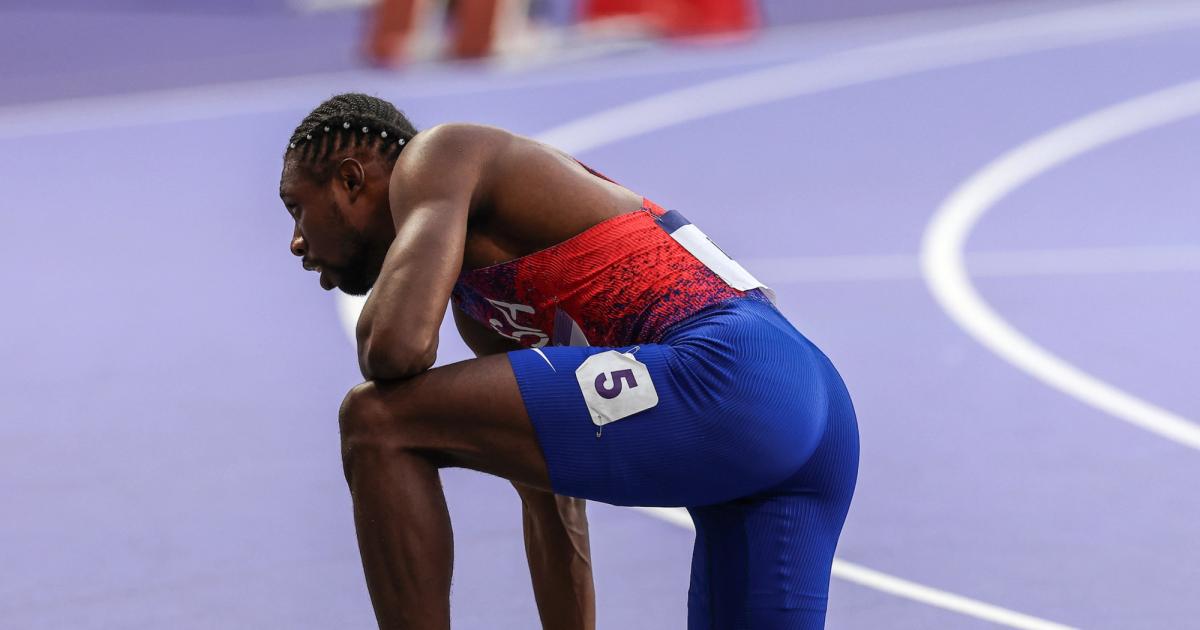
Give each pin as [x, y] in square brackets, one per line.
[736, 416]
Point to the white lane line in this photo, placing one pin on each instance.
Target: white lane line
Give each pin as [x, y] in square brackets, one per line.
[219, 100]
[907, 56]
[946, 235]
[1100, 260]
[995, 264]
[322, 6]
[899, 587]
[945, 48]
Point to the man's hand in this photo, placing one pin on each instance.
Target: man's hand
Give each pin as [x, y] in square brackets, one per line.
[556, 528]
[560, 561]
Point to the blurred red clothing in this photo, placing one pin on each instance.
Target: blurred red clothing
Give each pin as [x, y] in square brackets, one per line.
[681, 17]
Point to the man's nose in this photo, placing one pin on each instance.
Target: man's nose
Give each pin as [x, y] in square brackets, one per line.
[298, 244]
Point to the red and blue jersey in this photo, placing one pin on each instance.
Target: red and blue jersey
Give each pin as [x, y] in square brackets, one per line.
[722, 406]
[625, 280]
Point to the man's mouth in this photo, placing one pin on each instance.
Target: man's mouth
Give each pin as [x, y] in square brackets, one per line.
[326, 278]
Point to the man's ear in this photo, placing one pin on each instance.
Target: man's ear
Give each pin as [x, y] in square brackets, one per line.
[351, 176]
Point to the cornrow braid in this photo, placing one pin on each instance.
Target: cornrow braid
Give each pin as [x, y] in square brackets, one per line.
[348, 121]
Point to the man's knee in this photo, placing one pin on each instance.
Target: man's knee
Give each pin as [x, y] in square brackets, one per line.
[366, 424]
[365, 415]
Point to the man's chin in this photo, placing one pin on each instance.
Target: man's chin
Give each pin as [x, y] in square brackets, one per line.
[355, 287]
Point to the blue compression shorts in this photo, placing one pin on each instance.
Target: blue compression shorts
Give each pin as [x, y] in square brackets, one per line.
[748, 426]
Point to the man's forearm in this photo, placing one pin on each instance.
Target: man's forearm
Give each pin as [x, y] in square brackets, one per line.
[560, 563]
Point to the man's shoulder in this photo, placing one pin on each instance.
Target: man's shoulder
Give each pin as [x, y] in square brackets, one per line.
[483, 149]
[453, 146]
[458, 136]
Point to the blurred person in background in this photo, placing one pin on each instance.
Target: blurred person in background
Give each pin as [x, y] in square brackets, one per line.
[395, 23]
[480, 28]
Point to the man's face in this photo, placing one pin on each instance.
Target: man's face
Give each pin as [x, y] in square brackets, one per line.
[326, 236]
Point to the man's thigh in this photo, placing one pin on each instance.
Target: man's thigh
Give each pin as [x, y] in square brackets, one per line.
[467, 414]
[648, 425]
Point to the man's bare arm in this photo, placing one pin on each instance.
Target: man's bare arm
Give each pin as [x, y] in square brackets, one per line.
[431, 190]
[556, 529]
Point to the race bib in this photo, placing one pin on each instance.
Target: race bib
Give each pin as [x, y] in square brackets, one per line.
[699, 245]
[615, 385]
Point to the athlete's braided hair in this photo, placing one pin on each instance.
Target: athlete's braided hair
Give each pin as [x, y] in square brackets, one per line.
[348, 121]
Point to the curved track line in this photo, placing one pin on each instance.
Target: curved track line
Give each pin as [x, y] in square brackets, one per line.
[946, 235]
[184, 104]
[872, 63]
[903, 57]
[899, 587]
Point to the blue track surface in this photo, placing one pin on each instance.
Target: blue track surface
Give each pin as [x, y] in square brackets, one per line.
[169, 458]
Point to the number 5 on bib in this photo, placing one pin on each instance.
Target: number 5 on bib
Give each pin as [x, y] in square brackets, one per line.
[615, 385]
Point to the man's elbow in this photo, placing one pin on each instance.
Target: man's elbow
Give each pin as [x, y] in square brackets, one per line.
[383, 362]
